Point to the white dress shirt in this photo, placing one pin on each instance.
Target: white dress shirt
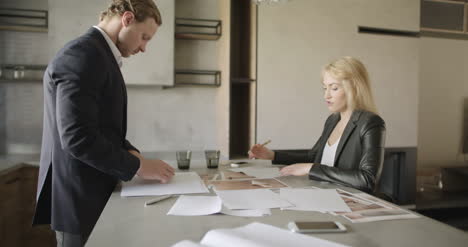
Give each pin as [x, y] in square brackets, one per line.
[113, 47]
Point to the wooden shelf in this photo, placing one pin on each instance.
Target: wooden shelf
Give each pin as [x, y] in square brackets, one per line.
[203, 29]
[27, 20]
[191, 77]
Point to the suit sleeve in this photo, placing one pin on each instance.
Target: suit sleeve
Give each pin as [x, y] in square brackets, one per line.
[129, 146]
[303, 156]
[364, 178]
[78, 86]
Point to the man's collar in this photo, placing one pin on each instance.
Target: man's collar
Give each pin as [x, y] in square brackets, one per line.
[113, 47]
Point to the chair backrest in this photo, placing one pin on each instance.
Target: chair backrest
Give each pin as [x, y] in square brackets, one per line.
[397, 181]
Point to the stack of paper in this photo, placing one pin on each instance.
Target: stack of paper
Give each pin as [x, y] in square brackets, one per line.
[366, 208]
[181, 183]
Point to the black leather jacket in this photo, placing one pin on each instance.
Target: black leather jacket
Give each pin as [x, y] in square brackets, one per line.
[359, 155]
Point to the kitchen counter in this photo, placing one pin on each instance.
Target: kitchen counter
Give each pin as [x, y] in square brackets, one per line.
[10, 161]
[7, 161]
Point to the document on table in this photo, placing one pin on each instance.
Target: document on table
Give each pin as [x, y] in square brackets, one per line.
[181, 183]
[206, 205]
[252, 199]
[322, 200]
[196, 205]
[259, 172]
[257, 235]
[246, 212]
[367, 208]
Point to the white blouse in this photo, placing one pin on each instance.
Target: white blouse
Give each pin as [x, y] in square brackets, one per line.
[328, 156]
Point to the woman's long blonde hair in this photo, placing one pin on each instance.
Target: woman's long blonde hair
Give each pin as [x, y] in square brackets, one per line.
[355, 79]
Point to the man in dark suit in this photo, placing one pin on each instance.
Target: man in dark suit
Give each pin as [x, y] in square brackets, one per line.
[84, 149]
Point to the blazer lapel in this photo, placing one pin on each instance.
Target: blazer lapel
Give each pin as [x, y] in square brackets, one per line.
[120, 80]
[346, 133]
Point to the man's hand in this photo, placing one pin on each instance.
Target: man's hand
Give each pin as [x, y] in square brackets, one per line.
[155, 170]
[299, 169]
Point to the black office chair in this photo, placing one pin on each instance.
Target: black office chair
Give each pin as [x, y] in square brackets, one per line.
[387, 185]
[397, 182]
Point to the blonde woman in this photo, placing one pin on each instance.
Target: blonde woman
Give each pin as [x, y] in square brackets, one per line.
[351, 148]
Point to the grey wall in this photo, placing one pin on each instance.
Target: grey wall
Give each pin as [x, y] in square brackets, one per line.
[443, 89]
[21, 103]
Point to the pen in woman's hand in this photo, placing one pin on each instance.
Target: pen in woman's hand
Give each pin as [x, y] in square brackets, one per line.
[266, 143]
[263, 145]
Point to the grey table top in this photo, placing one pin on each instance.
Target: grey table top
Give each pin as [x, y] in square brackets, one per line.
[126, 222]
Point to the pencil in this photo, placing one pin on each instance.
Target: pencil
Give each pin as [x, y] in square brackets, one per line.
[151, 202]
[266, 143]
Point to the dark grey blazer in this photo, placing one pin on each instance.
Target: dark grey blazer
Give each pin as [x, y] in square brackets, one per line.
[84, 151]
[359, 155]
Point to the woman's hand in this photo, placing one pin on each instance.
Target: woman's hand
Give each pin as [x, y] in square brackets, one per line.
[259, 151]
[299, 169]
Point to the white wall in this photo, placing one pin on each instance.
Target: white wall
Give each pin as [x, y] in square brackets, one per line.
[443, 87]
[297, 38]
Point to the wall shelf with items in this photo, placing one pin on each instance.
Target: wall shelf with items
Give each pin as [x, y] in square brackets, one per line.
[28, 20]
[22, 72]
[444, 16]
[190, 77]
[204, 29]
[188, 33]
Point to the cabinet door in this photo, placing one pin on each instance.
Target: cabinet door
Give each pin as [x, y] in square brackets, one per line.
[37, 236]
[69, 19]
[10, 215]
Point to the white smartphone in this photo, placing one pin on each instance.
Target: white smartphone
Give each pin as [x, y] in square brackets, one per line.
[316, 226]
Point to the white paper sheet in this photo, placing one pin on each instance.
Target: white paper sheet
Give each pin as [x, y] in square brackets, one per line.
[181, 183]
[258, 235]
[322, 200]
[252, 199]
[246, 212]
[188, 243]
[259, 172]
[196, 205]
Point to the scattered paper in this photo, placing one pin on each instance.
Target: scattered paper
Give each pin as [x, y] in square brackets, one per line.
[259, 172]
[257, 235]
[181, 183]
[247, 184]
[252, 199]
[229, 175]
[246, 212]
[196, 205]
[188, 243]
[206, 205]
[322, 200]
